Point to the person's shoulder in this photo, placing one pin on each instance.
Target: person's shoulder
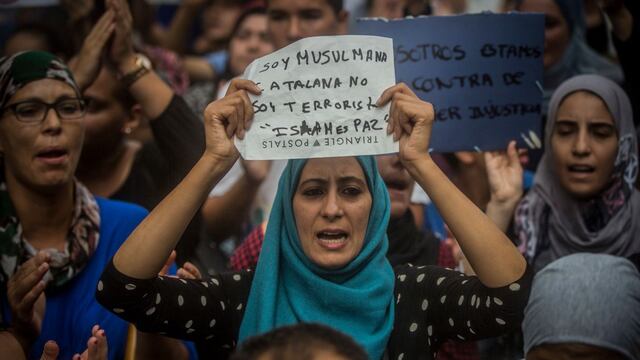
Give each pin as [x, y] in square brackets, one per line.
[120, 211]
[408, 275]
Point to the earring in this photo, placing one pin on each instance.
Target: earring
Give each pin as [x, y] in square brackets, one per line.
[127, 130]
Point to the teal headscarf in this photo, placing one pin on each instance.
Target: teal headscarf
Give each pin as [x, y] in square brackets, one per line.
[288, 288]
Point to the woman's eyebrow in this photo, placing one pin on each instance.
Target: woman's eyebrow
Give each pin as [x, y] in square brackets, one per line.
[346, 179]
[313, 180]
[600, 123]
[37, 99]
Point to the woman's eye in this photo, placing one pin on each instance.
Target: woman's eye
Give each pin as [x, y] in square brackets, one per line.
[28, 110]
[352, 191]
[603, 131]
[564, 130]
[69, 108]
[312, 192]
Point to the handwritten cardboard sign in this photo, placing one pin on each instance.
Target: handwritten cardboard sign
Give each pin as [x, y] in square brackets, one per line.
[318, 99]
[482, 73]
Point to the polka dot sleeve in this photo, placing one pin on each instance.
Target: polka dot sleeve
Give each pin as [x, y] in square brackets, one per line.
[193, 310]
[434, 304]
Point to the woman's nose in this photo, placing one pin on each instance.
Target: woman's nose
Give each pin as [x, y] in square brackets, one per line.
[51, 123]
[581, 145]
[331, 207]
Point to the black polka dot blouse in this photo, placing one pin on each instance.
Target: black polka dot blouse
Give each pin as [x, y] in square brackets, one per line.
[433, 304]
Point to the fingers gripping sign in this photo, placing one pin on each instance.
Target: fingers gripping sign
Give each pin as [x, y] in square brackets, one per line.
[229, 117]
[410, 121]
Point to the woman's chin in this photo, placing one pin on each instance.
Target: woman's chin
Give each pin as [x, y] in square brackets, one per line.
[332, 261]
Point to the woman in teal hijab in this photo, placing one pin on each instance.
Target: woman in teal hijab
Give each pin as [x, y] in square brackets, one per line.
[323, 258]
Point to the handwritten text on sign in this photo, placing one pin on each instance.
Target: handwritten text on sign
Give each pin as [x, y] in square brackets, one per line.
[319, 97]
[482, 73]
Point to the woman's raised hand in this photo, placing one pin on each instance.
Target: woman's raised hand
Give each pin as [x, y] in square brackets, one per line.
[410, 122]
[122, 44]
[228, 117]
[86, 64]
[505, 175]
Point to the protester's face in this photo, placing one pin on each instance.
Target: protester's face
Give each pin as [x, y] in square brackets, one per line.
[218, 21]
[556, 30]
[106, 116]
[292, 20]
[41, 155]
[331, 206]
[399, 183]
[249, 43]
[584, 143]
[570, 351]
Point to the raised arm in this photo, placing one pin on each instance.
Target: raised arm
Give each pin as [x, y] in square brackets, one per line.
[177, 35]
[153, 94]
[494, 258]
[145, 251]
[505, 181]
[224, 214]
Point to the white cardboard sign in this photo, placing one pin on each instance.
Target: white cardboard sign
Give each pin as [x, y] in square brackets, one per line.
[318, 99]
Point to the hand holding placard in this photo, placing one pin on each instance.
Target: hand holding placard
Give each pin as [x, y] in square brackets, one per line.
[318, 99]
[227, 118]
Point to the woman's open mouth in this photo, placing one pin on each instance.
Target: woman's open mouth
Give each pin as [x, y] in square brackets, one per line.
[580, 171]
[332, 239]
[53, 156]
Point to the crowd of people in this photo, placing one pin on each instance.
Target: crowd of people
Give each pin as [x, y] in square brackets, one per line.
[130, 227]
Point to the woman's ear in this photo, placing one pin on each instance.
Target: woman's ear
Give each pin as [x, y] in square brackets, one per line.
[134, 119]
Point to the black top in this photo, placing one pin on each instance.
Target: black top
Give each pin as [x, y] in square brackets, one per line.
[409, 245]
[178, 143]
[433, 304]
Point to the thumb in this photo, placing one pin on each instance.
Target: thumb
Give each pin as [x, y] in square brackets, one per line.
[50, 351]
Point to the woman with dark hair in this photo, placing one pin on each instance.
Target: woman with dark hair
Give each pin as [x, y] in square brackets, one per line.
[249, 41]
[324, 252]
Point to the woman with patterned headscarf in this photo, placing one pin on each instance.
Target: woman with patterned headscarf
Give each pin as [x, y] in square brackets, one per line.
[583, 198]
[55, 236]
